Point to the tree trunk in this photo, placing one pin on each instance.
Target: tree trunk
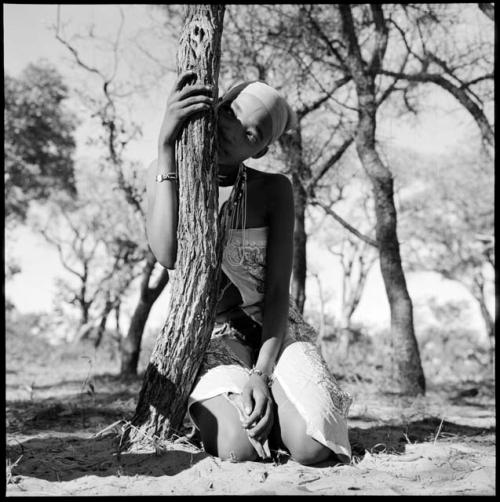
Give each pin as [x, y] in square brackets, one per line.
[406, 375]
[291, 145]
[180, 347]
[299, 270]
[108, 307]
[477, 291]
[131, 345]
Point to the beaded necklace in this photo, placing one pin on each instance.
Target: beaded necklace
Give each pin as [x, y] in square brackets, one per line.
[234, 209]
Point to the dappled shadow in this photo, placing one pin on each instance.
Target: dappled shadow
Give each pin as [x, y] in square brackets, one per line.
[69, 414]
[393, 438]
[63, 426]
[68, 406]
[102, 379]
[56, 458]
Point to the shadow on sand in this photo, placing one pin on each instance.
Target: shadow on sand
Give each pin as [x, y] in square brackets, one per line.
[393, 438]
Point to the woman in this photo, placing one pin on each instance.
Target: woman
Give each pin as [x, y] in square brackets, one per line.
[263, 381]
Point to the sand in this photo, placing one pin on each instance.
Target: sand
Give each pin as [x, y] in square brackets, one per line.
[60, 443]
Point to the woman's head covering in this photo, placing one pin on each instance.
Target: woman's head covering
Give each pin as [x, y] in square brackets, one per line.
[283, 118]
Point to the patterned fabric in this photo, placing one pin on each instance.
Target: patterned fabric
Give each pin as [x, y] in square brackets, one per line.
[244, 263]
[220, 353]
[300, 367]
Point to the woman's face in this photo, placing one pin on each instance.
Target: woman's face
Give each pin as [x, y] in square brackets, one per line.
[244, 128]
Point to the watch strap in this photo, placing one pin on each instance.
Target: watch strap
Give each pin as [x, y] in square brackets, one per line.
[166, 177]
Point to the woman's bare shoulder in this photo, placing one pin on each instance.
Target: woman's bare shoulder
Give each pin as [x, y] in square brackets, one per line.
[272, 182]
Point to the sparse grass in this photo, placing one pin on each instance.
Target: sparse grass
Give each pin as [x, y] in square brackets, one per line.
[10, 467]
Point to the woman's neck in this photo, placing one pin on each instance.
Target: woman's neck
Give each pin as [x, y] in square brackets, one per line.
[227, 174]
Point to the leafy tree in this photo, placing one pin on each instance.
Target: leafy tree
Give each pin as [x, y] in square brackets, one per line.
[39, 139]
[448, 223]
[91, 236]
[107, 98]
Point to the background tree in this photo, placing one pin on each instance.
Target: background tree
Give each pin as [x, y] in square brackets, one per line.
[406, 373]
[38, 138]
[115, 131]
[180, 347]
[449, 229]
[91, 236]
[445, 52]
[346, 233]
[271, 43]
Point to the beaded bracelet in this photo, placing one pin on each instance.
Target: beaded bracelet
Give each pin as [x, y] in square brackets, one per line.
[266, 377]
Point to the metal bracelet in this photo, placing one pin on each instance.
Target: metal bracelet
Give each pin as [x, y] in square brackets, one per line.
[166, 177]
[266, 377]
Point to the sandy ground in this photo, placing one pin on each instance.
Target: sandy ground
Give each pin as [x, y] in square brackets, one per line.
[58, 445]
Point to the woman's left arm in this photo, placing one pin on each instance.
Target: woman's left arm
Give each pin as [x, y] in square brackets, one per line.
[279, 257]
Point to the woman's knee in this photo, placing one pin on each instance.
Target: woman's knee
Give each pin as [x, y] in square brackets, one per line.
[233, 445]
[308, 451]
[221, 432]
[303, 448]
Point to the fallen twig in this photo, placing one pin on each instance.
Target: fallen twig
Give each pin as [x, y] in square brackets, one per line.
[106, 429]
[439, 430]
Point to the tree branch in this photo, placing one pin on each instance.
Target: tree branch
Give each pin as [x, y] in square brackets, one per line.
[457, 92]
[344, 223]
[58, 246]
[328, 164]
[381, 38]
[316, 104]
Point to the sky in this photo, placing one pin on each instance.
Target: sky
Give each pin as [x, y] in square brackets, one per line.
[28, 37]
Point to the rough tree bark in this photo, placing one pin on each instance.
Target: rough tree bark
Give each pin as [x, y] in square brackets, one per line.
[180, 347]
[406, 376]
[131, 345]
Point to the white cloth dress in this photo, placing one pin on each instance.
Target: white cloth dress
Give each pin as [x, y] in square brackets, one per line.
[300, 368]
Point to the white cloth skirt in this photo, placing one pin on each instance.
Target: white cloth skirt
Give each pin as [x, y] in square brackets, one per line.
[302, 374]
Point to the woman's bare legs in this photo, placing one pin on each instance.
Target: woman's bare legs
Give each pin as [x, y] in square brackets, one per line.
[292, 428]
[223, 435]
[221, 431]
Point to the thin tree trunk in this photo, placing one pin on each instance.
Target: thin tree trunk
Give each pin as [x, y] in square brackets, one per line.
[299, 269]
[180, 347]
[478, 293]
[131, 345]
[406, 376]
[292, 147]
[108, 307]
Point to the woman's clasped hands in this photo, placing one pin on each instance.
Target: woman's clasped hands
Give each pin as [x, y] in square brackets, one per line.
[258, 407]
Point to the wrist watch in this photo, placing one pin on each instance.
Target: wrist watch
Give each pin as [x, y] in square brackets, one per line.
[166, 177]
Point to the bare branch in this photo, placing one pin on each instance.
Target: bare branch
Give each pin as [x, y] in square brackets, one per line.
[333, 50]
[458, 92]
[344, 223]
[60, 252]
[316, 104]
[329, 163]
[72, 49]
[381, 38]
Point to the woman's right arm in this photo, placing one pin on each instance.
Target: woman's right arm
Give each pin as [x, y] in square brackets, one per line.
[162, 208]
[162, 197]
